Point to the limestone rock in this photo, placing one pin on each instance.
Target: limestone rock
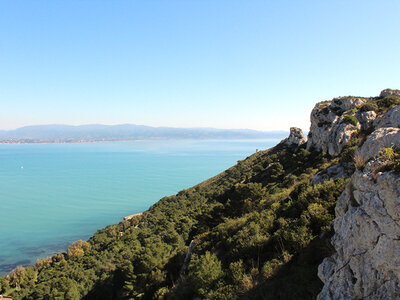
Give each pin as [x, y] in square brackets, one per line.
[380, 138]
[296, 137]
[340, 134]
[334, 172]
[366, 119]
[345, 103]
[389, 119]
[366, 264]
[329, 133]
[389, 92]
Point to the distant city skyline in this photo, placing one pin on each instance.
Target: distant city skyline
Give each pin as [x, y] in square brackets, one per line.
[258, 65]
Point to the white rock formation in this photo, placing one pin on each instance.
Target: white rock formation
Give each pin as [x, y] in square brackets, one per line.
[366, 264]
[296, 137]
[380, 138]
[329, 133]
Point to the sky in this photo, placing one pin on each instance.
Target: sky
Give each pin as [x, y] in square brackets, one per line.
[202, 63]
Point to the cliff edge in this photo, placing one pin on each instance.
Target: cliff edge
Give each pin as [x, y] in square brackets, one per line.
[367, 216]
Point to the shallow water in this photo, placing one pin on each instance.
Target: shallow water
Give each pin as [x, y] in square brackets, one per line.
[54, 194]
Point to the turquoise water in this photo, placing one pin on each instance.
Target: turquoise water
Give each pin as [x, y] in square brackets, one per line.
[54, 194]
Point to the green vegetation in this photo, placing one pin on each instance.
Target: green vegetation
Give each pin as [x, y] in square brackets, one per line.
[260, 229]
[352, 111]
[349, 119]
[381, 105]
[391, 160]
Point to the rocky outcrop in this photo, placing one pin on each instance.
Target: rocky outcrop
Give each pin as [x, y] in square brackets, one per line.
[389, 119]
[366, 119]
[337, 171]
[339, 136]
[389, 92]
[296, 137]
[330, 129]
[366, 264]
[380, 138]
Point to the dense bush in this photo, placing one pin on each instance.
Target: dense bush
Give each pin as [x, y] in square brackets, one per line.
[381, 105]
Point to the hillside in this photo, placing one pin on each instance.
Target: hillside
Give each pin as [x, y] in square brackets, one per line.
[259, 230]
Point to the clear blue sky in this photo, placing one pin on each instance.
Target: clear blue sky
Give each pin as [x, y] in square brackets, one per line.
[224, 64]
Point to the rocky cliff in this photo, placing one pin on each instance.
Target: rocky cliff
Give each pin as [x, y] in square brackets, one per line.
[367, 222]
[366, 264]
[333, 124]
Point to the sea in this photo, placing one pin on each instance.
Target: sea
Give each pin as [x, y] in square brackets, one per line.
[54, 194]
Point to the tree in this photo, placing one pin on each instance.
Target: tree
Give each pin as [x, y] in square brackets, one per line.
[72, 292]
[17, 276]
[206, 272]
[78, 248]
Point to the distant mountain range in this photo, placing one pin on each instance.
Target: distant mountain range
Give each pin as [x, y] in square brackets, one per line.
[97, 132]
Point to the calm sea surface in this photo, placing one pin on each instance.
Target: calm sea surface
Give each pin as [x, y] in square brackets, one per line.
[54, 194]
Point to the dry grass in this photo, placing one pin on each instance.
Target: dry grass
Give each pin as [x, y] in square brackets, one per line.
[358, 160]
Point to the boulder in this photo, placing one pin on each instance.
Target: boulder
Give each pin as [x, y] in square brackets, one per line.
[389, 119]
[334, 172]
[381, 138]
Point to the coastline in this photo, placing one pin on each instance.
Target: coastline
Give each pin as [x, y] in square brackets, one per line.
[132, 216]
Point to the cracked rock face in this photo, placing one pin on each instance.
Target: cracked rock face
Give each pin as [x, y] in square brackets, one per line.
[389, 119]
[296, 137]
[380, 138]
[329, 133]
[366, 264]
[366, 119]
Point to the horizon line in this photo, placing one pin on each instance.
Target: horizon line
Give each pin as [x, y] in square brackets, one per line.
[132, 124]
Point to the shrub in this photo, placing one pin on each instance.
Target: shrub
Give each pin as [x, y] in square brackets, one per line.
[358, 160]
[392, 160]
[369, 106]
[388, 153]
[389, 102]
[381, 105]
[206, 272]
[350, 120]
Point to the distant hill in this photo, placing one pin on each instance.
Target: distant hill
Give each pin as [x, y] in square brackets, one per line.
[97, 132]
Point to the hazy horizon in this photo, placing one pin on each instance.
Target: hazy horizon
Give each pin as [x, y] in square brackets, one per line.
[121, 124]
[126, 132]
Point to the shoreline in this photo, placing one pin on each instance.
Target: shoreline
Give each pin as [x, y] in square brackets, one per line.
[132, 216]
